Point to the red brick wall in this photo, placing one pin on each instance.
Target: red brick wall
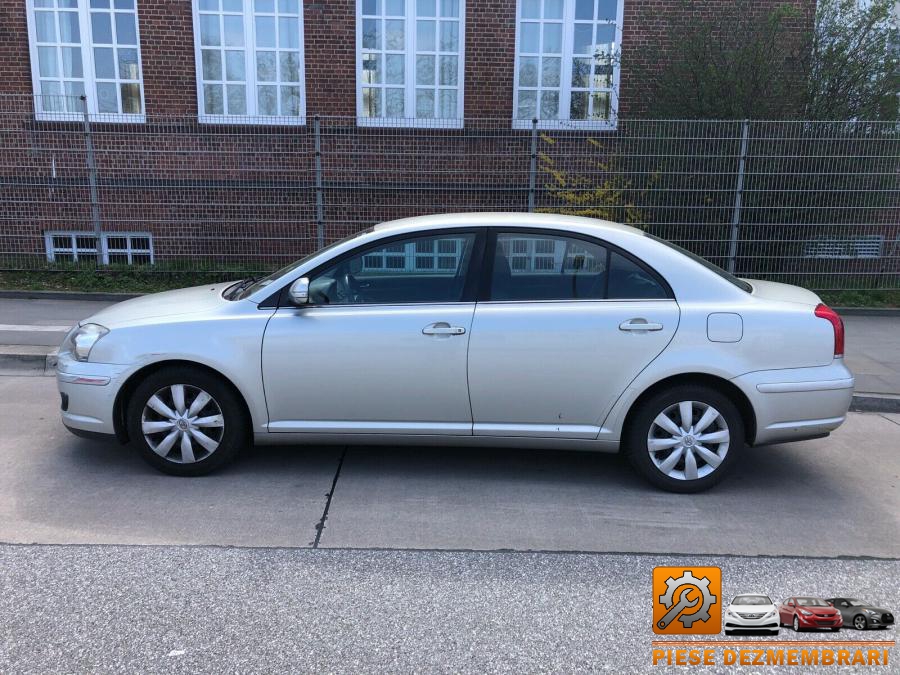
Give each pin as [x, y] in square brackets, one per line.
[168, 52]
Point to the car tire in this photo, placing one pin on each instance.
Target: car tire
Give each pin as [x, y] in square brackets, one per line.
[859, 622]
[796, 625]
[171, 404]
[674, 404]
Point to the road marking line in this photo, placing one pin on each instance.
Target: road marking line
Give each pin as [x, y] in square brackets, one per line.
[29, 328]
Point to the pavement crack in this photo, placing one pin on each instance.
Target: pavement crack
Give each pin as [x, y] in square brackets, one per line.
[890, 420]
[320, 526]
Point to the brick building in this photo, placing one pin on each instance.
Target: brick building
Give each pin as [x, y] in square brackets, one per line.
[201, 111]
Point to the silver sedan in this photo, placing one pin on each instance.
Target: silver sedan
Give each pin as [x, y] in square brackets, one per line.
[514, 330]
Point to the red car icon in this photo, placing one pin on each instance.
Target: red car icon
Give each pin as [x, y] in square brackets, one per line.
[807, 613]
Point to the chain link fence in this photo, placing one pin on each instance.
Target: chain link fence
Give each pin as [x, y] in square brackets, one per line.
[811, 203]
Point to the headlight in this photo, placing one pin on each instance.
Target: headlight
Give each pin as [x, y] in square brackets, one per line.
[806, 612]
[871, 612]
[770, 614]
[83, 339]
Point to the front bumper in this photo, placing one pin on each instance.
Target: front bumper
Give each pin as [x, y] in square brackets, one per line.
[739, 622]
[820, 622]
[798, 403]
[88, 394]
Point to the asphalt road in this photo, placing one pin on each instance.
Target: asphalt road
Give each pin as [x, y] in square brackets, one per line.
[828, 497]
[227, 575]
[188, 610]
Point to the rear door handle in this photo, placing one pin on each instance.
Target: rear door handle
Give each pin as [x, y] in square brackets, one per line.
[639, 324]
[442, 328]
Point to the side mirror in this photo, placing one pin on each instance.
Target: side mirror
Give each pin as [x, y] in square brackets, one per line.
[299, 291]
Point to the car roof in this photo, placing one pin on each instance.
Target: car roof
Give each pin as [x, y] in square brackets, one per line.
[497, 219]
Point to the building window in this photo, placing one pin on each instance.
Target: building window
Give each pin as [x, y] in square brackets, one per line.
[249, 57]
[116, 248]
[87, 48]
[567, 62]
[410, 62]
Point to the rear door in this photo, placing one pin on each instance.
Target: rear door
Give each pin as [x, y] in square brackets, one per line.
[565, 325]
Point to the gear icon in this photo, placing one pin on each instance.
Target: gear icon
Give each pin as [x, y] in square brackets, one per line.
[701, 584]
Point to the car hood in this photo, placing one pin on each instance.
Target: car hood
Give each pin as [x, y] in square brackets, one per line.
[169, 303]
[752, 609]
[772, 290]
[820, 611]
[874, 609]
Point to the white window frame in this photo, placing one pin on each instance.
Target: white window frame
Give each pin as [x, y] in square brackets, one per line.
[410, 72]
[102, 254]
[565, 89]
[250, 74]
[89, 75]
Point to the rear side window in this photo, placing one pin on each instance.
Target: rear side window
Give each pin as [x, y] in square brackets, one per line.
[537, 266]
[630, 281]
[547, 267]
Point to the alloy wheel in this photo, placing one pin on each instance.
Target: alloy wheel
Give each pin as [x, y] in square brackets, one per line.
[859, 623]
[688, 440]
[796, 624]
[182, 424]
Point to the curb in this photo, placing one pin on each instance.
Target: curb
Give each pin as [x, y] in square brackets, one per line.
[68, 295]
[877, 403]
[868, 311]
[28, 360]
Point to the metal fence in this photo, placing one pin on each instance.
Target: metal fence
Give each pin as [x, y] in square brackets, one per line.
[814, 203]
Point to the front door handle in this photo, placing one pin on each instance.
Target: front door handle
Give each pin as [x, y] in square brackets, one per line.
[639, 324]
[442, 328]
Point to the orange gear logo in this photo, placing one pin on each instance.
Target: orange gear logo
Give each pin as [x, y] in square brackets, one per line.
[687, 600]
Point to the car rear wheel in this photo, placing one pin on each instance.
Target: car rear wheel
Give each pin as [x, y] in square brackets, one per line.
[186, 422]
[685, 439]
[859, 622]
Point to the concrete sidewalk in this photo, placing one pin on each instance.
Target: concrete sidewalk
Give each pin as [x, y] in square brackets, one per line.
[873, 342]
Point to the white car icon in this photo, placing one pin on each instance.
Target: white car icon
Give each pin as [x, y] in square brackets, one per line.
[751, 612]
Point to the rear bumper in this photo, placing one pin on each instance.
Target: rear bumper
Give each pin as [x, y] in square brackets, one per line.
[798, 403]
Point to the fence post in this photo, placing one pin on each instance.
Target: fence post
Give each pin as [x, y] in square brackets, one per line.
[320, 201]
[92, 179]
[738, 195]
[533, 165]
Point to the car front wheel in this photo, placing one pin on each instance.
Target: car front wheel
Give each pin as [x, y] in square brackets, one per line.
[186, 422]
[859, 622]
[685, 439]
[796, 624]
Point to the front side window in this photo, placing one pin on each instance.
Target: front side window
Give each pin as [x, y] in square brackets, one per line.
[250, 60]
[567, 54]
[410, 62]
[86, 48]
[416, 270]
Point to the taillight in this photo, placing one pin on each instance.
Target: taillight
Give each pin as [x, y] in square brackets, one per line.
[825, 312]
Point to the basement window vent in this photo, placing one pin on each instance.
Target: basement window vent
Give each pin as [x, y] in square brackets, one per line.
[870, 246]
[115, 248]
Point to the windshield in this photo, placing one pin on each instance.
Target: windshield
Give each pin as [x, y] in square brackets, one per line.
[751, 600]
[857, 603]
[265, 281]
[743, 285]
[811, 602]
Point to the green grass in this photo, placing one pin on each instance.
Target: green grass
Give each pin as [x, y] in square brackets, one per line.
[116, 278]
[871, 298]
[126, 279]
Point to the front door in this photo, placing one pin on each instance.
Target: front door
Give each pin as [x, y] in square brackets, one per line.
[381, 348]
[568, 324]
